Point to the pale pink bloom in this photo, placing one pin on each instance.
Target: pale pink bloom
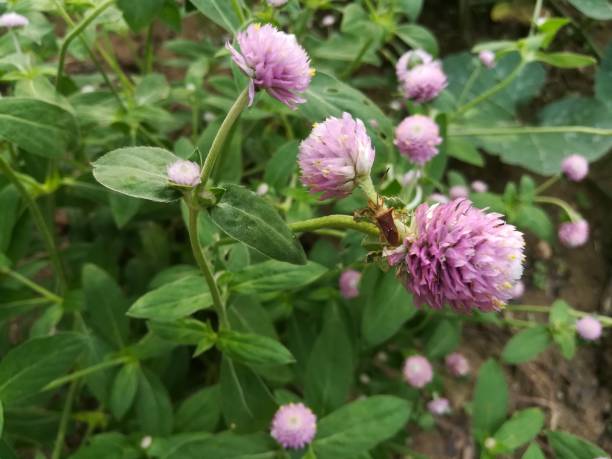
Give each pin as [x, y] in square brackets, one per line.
[12, 20]
[349, 283]
[185, 173]
[458, 191]
[589, 328]
[479, 186]
[574, 234]
[487, 58]
[294, 426]
[575, 167]
[439, 406]
[417, 371]
[457, 364]
[417, 137]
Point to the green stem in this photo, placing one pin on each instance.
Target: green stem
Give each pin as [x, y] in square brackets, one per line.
[470, 82]
[63, 426]
[339, 222]
[525, 130]
[571, 213]
[536, 15]
[204, 266]
[85, 372]
[492, 90]
[222, 133]
[39, 220]
[366, 185]
[607, 321]
[238, 10]
[81, 26]
[546, 184]
[357, 61]
[148, 54]
[32, 285]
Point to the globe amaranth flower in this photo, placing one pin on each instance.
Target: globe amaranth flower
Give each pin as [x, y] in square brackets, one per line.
[439, 406]
[294, 426]
[421, 77]
[12, 20]
[479, 186]
[417, 137]
[457, 364]
[185, 173]
[274, 61]
[589, 328]
[335, 156]
[458, 191]
[349, 283]
[574, 234]
[417, 371]
[575, 167]
[487, 58]
[461, 256]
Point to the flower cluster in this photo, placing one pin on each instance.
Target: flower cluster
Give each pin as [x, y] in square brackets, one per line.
[421, 77]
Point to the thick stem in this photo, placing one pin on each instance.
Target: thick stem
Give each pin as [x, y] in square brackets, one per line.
[525, 130]
[339, 222]
[33, 286]
[222, 133]
[571, 213]
[204, 266]
[74, 33]
[366, 185]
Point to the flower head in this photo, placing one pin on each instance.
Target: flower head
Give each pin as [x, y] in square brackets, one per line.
[12, 20]
[457, 364]
[487, 58]
[336, 154]
[589, 328]
[420, 76]
[185, 173]
[417, 371]
[439, 406]
[574, 234]
[262, 189]
[575, 167]
[461, 256]
[458, 191]
[417, 137]
[349, 283]
[479, 186]
[294, 426]
[274, 61]
[328, 20]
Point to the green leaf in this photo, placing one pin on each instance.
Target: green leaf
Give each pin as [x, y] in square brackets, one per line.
[603, 78]
[275, 276]
[465, 151]
[252, 349]
[281, 166]
[1, 418]
[596, 9]
[153, 405]
[490, 404]
[123, 390]
[139, 14]
[411, 8]
[521, 428]
[533, 452]
[38, 127]
[526, 345]
[172, 301]
[348, 48]
[444, 339]
[153, 88]
[226, 445]
[246, 217]
[26, 369]
[568, 446]
[109, 445]
[184, 331]
[418, 37]
[140, 172]
[566, 60]
[200, 412]
[220, 12]
[124, 208]
[535, 220]
[359, 426]
[382, 319]
[562, 328]
[105, 306]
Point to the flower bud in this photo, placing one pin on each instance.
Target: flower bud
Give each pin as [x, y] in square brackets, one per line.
[589, 328]
[575, 167]
[184, 173]
[417, 371]
[574, 234]
[349, 283]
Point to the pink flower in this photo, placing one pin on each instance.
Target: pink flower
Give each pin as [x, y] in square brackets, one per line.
[438, 198]
[487, 58]
[274, 61]
[262, 189]
[12, 20]
[518, 290]
[589, 328]
[349, 283]
[335, 156]
[294, 426]
[461, 256]
[575, 167]
[439, 406]
[328, 20]
[417, 138]
[418, 371]
[185, 173]
[574, 234]
[479, 186]
[420, 76]
[458, 191]
[457, 364]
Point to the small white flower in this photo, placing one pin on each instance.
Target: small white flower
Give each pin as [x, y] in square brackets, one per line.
[12, 19]
[146, 442]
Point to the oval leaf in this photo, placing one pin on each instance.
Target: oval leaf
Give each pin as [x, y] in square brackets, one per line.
[490, 404]
[526, 345]
[521, 428]
[275, 276]
[252, 349]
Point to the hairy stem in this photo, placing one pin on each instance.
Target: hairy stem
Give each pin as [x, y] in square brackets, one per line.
[338, 222]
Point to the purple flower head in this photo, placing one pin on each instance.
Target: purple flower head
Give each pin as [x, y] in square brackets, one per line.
[487, 58]
[274, 61]
[457, 364]
[420, 76]
[458, 191]
[461, 256]
[418, 371]
[336, 154]
[439, 406]
[417, 137]
[479, 186]
[589, 328]
[574, 234]
[409, 61]
[277, 3]
[294, 426]
[185, 173]
[12, 20]
[518, 290]
[349, 283]
[575, 167]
